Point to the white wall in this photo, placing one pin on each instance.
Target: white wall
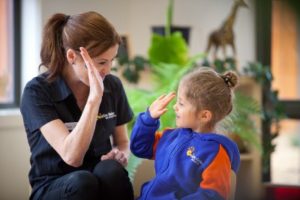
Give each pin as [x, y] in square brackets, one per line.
[132, 17]
[135, 18]
[14, 154]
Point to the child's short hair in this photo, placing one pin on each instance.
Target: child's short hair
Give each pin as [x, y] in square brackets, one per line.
[209, 90]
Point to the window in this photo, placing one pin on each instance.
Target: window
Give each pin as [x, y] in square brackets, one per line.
[285, 160]
[10, 53]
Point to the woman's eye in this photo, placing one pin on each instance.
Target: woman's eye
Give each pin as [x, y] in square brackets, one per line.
[102, 63]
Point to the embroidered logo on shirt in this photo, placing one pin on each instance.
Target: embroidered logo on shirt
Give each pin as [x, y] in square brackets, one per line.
[190, 153]
[106, 115]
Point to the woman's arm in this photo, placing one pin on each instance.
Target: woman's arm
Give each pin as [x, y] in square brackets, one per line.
[73, 146]
[120, 139]
[120, 152]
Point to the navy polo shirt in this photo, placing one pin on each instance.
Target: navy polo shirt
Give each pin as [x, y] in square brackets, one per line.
[43, 102]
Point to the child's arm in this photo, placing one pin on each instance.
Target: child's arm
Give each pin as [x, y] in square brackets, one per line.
[144, 136]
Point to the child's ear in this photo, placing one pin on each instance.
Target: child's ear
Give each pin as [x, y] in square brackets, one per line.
[205, 115]
[71, 56]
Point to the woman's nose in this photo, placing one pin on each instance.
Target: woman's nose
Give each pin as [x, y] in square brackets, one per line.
[106, 69]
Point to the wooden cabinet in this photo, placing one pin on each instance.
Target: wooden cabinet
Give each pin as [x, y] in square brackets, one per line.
[249, 181]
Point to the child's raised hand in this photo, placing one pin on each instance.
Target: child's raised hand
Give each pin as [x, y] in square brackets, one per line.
[159, 106]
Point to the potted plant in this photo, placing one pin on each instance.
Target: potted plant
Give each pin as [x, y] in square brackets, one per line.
[169, 27]
[167, 43]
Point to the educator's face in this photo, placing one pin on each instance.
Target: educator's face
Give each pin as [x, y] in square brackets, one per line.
[104, 61]
[103, 64]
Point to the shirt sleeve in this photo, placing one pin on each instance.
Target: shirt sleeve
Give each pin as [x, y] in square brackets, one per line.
[36, 107]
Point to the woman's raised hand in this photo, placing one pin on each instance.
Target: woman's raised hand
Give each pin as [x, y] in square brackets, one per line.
[159, 106]
[95, 80]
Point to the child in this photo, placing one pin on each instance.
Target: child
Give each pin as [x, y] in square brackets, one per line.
[191, 161]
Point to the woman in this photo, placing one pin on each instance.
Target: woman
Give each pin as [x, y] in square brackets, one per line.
[75, 113]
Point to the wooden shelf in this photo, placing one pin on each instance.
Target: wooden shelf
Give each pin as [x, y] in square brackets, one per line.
[246, 156]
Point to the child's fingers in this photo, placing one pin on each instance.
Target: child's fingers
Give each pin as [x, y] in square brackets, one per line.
[168, 98]
[161, 97]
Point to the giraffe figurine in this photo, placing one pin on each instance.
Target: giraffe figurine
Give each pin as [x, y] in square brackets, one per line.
[224, 35]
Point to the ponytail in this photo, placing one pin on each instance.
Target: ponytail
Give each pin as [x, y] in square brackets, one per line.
[52, 51]
[90, 30]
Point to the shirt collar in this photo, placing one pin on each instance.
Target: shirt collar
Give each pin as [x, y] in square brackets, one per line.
[60, 89]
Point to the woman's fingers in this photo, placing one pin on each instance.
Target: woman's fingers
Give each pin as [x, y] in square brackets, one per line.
[121, 158]
[117, 155]
[86, 57]
[91, 67]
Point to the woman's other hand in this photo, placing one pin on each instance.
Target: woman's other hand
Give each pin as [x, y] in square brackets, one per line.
[117, 155]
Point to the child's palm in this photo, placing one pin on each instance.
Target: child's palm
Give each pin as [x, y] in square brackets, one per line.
[159, 106]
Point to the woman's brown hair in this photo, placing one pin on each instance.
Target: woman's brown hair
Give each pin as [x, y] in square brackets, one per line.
[206, 89]
[62, 32]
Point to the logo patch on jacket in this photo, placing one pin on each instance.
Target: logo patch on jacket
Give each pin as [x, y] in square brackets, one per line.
[190, 153]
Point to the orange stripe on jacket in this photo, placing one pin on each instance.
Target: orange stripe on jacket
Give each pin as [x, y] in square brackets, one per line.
[158, 135]
[217, 175]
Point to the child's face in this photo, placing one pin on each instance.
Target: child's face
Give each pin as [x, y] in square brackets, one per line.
[186, 116]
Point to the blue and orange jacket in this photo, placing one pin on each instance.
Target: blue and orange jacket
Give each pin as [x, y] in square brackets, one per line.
[188, 165]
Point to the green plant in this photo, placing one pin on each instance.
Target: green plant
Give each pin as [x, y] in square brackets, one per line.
[132, 67]
[168, 48]
[167, 54]
[273, 109]
[240, 123]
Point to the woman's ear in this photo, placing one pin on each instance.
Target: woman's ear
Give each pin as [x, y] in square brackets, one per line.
[71, 56]
[205, 115]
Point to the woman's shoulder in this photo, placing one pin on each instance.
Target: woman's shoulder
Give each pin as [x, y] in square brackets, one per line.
[37, 81]
[112, 82]
[111, 78]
